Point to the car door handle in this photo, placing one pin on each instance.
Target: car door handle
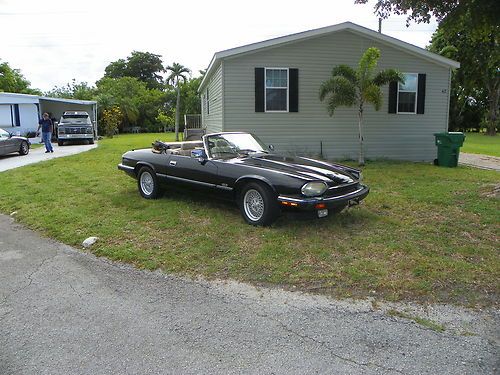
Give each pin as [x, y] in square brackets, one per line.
[173, 163]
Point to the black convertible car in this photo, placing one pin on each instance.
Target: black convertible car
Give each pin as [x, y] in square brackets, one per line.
[240, 165]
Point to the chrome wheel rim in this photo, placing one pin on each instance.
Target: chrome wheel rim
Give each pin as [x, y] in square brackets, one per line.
[24, 148]
[147, 183]
[253, 204]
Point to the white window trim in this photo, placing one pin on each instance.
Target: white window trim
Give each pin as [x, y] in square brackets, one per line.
[287, 90]
[416, 97]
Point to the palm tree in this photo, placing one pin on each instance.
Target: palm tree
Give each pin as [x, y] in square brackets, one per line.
[177, 74]
[348, 87]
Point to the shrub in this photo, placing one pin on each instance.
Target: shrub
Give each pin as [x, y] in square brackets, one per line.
[111, 117]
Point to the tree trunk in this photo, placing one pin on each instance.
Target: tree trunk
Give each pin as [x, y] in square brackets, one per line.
[177, 113]
[494, 93]
[361, 160]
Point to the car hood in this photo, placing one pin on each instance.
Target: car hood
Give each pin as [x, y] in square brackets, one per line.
[303, 168]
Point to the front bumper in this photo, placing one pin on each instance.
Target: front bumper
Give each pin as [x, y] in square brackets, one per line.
[67, 137]
[127, 169]
[311, 204]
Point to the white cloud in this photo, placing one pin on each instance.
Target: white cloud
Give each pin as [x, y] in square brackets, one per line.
[54, 41]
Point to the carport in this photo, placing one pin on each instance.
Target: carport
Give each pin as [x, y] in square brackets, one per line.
[57, 106]
[19, 113]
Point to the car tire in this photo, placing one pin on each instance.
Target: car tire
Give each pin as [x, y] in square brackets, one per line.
[258, 204]
[147, 183]
[24, 149]
[60, 143]
[91, 141]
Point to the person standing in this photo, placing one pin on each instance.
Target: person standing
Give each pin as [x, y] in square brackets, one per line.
[47, 128]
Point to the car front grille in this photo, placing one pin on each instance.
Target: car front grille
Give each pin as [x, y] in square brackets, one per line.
[75, 130]
[342, 189]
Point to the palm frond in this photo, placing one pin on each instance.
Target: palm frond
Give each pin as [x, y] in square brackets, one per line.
[388, 75]
[178, 72]
[367, 64]
[340, 91]
[373, 94]
[345, 71]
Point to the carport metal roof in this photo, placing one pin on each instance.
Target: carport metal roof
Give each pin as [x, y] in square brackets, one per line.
[72, 101]
[36, 98]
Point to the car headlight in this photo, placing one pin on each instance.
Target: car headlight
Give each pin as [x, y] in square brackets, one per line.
[314, 188]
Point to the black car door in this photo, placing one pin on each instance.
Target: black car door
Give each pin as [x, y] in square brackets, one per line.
[191, 170]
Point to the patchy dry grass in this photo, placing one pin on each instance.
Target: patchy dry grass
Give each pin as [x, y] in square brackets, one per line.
[424, 233]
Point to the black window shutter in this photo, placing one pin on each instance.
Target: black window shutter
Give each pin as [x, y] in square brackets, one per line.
[259, 89]
[293, 98]
[393, 93]
[421, 94]
[16, 115]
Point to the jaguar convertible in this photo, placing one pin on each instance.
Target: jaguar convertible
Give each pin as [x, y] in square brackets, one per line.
[240, 166]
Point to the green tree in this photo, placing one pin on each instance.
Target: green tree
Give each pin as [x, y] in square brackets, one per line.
[190, 99]
[12, 80]
[138, 104]
[476, 84]
[422, 10]
[177, 74]
[145, 66]
[165, 120]
[73, 90]
[349, 87]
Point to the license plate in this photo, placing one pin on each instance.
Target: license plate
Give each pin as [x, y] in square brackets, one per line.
[322, 213]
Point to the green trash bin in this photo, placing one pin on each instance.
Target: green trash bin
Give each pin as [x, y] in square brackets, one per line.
[448, 144]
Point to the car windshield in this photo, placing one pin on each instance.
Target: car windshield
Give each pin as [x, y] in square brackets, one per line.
[231, 145]
[4, 134]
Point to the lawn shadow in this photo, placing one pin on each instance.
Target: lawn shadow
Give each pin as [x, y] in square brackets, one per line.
[213, 200]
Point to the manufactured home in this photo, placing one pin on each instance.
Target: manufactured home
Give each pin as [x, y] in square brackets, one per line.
[271, 88]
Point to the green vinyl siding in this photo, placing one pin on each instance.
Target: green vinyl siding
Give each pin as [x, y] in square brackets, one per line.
[393, 136]
[212, 119]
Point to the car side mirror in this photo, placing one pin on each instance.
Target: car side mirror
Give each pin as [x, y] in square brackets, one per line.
[200, 155]
[271, 147]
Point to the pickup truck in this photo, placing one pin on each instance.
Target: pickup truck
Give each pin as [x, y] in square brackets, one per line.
[73, 126]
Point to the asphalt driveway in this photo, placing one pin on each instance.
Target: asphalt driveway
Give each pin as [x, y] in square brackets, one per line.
[37, 155]
[63, 311]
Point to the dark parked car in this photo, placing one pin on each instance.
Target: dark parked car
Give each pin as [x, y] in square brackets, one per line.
[240, 165]
[10, 143]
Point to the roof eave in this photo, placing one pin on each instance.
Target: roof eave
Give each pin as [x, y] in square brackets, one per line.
[349, 26]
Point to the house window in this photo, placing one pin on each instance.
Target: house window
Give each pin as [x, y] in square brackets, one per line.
[276, 90]
[407, 94]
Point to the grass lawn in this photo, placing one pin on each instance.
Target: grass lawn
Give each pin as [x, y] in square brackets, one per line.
[478, 143]
[424, 233]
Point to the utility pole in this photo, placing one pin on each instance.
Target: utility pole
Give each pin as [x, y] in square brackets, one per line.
[380, 25]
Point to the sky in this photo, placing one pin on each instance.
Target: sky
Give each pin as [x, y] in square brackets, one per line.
[55, 41]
